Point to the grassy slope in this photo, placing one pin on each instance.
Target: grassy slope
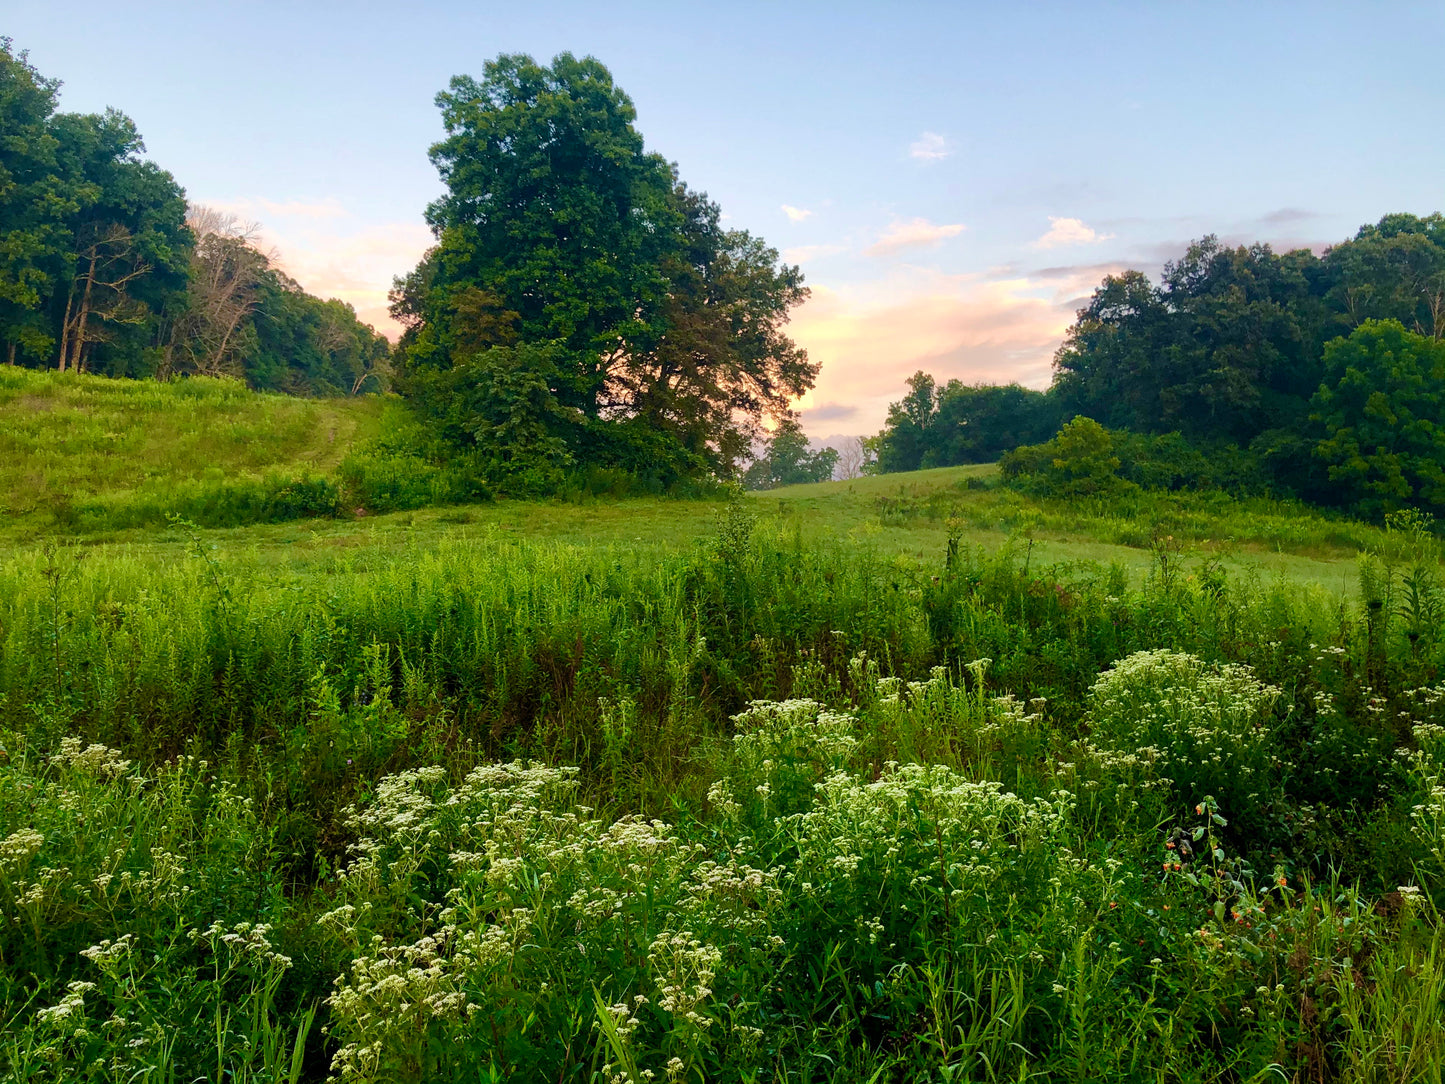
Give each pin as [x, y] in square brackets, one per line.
[72, 437]
[77, 438]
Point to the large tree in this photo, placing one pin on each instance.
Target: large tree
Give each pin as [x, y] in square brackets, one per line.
[579, 293]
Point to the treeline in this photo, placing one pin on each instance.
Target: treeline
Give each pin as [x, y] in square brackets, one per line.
[1321, 377]
[104, 267]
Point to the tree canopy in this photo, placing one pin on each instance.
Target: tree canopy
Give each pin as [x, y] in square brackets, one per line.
[582, 305]
[105, 268]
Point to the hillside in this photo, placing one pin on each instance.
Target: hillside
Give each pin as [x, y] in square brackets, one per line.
[70, 441]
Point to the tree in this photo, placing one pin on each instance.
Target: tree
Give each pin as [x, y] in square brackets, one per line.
[853, 457]
[1226, 346]
[958, 423]
[722, 361]
[129, 246]
[35, 200]
[1393, 270]
[788, 459]
[209, 331]
[904, 441]
[658, 332]
[1381, 412]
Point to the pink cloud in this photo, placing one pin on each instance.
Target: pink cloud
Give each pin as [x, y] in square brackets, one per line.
[872, 337]
[913, 233]
[1069, 231]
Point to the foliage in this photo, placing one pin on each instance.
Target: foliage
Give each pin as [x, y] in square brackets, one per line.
[1282, 354]
[1379, 410]
[104, 268]
[581, 305]
[1078, 462]
[830, 815]
[942, 426]
[788, 460]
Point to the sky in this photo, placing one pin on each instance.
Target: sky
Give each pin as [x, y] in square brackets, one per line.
[954, 179]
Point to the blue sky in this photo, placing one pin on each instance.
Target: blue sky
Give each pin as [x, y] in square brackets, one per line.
[953, 178]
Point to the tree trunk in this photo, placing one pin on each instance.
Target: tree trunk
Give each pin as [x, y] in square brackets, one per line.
[65, 328]
[78, 340]
[10, 355]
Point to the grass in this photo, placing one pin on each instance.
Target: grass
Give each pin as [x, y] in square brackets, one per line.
[70, 439]
[905, 778]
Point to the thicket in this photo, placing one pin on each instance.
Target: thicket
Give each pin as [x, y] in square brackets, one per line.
[749, 811]
[1084, 459]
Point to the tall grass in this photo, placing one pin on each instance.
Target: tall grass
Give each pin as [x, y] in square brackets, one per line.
[754, 810]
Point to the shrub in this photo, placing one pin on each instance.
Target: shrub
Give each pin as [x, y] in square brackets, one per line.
[1078, 462]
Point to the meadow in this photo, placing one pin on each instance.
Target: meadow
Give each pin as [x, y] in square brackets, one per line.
[905, 778]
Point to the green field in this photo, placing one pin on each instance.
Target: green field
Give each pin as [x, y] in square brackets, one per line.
[904, 778]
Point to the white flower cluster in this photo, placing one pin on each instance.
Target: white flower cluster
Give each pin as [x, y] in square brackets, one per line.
[1427, 769]
[512, 844]
[914, 816]
[18, 848]
[1173, 713]
[94, 759]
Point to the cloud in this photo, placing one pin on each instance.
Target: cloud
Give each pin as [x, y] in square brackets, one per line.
[830, 412]
[1069, 231]
[1287, 216]
[929, 147]
[914, 233]
[796, 214]
[804, 253]
[870, 337]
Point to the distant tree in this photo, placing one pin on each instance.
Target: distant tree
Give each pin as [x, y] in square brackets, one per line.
[1381, 412]
[788, 459]
[211, 326]
[853, 456]
[958, 423]
[903, 444]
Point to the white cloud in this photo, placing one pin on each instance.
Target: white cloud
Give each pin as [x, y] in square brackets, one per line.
[1069, 231]
[929, 147]
[914, 233]
[804, 253]
[796, 214]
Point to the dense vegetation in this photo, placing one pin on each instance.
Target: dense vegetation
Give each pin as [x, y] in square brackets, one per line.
[707, 810]
[1318, 377]
[836, 794]
[105, 269]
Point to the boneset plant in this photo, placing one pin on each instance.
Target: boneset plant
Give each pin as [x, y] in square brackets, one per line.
[1201, 726]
